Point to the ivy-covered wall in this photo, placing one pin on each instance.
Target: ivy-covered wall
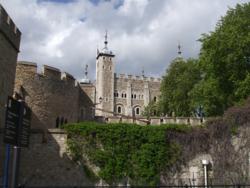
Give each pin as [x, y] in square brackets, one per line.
[154, 155]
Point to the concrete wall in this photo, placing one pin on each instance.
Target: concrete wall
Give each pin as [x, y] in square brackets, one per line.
[46, 162]
[9, 47]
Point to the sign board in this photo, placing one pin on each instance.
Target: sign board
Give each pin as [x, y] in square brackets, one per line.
[12, 121]
[17, 123]
[25, 128]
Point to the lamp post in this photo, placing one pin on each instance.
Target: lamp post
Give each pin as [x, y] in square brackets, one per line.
[205, 163]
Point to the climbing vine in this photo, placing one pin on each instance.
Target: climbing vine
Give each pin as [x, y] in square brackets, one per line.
[124, 152]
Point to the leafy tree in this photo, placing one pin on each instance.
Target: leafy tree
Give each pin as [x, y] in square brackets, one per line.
[207, 93]
[225, 62]
[243, 89]
[180, 78]
[152, 109]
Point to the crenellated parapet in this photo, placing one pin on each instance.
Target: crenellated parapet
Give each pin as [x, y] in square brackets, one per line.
[9, 29]
[137, 78]
[29, 69]
[52, 95]
[51, 72]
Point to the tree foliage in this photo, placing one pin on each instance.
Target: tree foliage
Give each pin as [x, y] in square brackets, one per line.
[225, 62]
[180, 78]
[221, 77]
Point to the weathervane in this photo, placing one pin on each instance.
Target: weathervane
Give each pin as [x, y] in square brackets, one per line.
[106, 39]
[179, 49]
[86, 71]
[143, 72]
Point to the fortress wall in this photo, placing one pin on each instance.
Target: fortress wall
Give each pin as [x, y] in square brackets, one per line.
[46, 162]
[51, 72]
[86, 104]
[90, 90]
[49, 96]
[10, 38]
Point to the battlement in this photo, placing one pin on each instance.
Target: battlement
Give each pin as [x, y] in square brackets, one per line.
[68, 77]
[51, 72]
[27, 66]
[30, 68]
[9, 29]
[136, 77]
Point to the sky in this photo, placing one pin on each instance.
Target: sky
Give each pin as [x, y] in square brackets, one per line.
[143, 34]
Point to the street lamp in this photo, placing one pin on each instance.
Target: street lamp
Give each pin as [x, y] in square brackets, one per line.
[205, 163]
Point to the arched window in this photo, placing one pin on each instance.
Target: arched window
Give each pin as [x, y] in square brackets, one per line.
[154, 99]
[137, 111]
[62, 120]
[125, 95]
[103, 58]
[119, 109]
[122, 95]
[135, 96]
[57, 122]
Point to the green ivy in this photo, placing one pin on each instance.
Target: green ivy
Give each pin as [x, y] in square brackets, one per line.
[124, 151]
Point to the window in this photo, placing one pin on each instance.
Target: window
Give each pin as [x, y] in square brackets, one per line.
[103, 66]
[122, 95]
[132, 96]
[62, 120]
[137, 111]
[103, 58]
[135, 96]
[119, 110]
[125, 95]
[154, 99]
[57, 122]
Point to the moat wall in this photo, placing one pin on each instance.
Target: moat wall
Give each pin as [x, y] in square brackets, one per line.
[46, 162]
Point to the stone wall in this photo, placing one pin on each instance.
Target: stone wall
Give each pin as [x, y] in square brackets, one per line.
[47, 163]
[9, 47]
[55, 98]
[193, 121]
[133, 92]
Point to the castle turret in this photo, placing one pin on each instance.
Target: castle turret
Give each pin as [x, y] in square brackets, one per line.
[10, 37]
[105, 80]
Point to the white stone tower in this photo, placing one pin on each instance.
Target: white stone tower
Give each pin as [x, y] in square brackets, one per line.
[104, 80]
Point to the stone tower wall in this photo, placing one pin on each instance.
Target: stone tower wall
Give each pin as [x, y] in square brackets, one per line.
[10, 37]
[105, 84]
[139, 92]
[52, 95]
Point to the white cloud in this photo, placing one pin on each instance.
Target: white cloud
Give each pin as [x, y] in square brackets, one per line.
[142, 33]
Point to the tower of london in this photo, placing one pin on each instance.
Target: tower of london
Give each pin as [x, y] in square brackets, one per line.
[121, 94]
